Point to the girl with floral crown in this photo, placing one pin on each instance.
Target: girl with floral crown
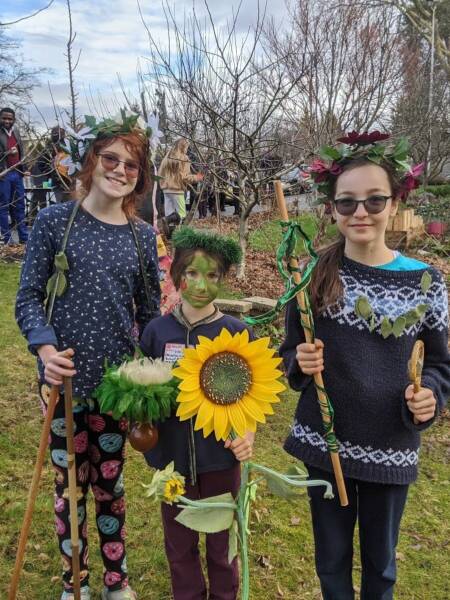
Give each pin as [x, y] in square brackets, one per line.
[371, 304]
[90, 272]
[211, 466]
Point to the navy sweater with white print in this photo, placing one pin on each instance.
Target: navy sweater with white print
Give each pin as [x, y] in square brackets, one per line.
[366, 374]
[105, 295]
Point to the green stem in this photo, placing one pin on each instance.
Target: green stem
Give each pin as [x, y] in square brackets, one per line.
[294, 479]
[242, 515]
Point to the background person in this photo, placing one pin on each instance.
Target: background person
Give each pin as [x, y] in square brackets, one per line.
[12, 193]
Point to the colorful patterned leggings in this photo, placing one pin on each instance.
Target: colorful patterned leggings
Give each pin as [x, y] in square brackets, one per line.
[99, 456]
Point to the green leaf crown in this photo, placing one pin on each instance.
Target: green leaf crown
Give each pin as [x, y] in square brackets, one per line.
[211, 243]
[325, 169]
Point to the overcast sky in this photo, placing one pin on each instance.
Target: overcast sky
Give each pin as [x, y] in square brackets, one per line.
[111, 38]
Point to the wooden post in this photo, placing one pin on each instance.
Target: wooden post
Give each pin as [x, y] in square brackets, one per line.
[72, 478]
[54, 396]
[301, 299]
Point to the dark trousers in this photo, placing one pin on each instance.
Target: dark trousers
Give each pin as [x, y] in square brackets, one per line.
[188, 582]
[378, 508]
[12, 203]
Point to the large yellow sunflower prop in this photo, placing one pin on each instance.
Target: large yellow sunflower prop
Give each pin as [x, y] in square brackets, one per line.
[229, 382]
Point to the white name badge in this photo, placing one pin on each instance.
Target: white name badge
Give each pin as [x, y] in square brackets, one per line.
[173, 352]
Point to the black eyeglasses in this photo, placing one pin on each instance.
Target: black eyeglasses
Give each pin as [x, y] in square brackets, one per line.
[372, 204]
[111, 162]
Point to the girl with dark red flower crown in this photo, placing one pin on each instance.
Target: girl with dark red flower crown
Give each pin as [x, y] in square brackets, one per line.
[371, 305]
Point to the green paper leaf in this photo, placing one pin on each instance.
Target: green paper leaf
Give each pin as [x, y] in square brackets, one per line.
[363, 308]
[425, 282]
[422, 308]
[400, 148]
[90, 121]
[208, 520]
[372, 323]
[329, 153]
[386, 327]
[279, 487]
[232, 541]
[61, 263]
[399, 326]
[297, 472]
[412, 317]
[58, 280]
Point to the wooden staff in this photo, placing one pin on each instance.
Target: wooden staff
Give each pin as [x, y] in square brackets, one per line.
[318, 380]
[72, 478]
[54, 396]
[415, 366]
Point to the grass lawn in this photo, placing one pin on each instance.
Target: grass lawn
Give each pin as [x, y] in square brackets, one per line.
[281, 553]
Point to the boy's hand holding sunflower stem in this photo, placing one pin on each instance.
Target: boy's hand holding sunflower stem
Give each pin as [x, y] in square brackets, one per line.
[242, 448]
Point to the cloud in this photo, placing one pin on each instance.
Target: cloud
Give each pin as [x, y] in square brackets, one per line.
[111, 38]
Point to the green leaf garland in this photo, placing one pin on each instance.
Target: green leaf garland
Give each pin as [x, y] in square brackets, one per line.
[122, 397]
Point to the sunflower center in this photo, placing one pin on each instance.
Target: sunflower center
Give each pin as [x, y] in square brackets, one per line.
[225, 377]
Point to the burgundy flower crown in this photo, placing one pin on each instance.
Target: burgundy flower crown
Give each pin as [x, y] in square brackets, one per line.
[324, 170]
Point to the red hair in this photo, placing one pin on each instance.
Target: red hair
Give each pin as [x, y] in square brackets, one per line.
[137, 145]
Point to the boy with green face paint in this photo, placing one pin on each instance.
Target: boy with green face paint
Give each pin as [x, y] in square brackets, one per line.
[200, 283]
[211, 467]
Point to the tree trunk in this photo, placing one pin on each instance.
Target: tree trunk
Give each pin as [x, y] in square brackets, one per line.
[243, 240]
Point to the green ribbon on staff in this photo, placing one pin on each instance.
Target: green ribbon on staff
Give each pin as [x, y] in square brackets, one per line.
[292, 233]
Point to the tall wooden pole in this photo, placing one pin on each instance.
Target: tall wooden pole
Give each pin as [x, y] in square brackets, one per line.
[32, 494]
[318, 380]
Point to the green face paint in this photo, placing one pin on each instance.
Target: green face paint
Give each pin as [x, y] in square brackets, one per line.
[200, 282]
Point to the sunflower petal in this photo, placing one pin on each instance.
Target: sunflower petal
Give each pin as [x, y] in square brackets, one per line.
[237, 419]
[204, 415]
[266, 373]
[244, 338]
[186, 407]
[221, 421]
[204, 341]
[188, 396]
[266, 397]
[268, 386]
[186, 414]
[180, 372]
[255, 348]
[208, 428]
[266, 361]
[189, 365]
[190, 353]
[190, 384]
[203, 352]
[252, 407]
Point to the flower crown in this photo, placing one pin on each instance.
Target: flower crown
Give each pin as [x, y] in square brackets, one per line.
[76, 143]
[324, 170]
[212, 243]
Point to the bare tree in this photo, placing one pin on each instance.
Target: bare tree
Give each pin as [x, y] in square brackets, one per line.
[414, 116]
[16, 81]
[354, 69]
[228, 96]
[419, 14]
[72, 66]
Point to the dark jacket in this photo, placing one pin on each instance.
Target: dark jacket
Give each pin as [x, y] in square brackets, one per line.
[4, 144]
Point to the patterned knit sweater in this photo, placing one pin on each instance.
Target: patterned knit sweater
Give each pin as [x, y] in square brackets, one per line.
[366, 374]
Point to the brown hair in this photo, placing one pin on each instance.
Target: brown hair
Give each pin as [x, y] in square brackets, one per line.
[136, 143]
[184, 256]
[326, 286]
